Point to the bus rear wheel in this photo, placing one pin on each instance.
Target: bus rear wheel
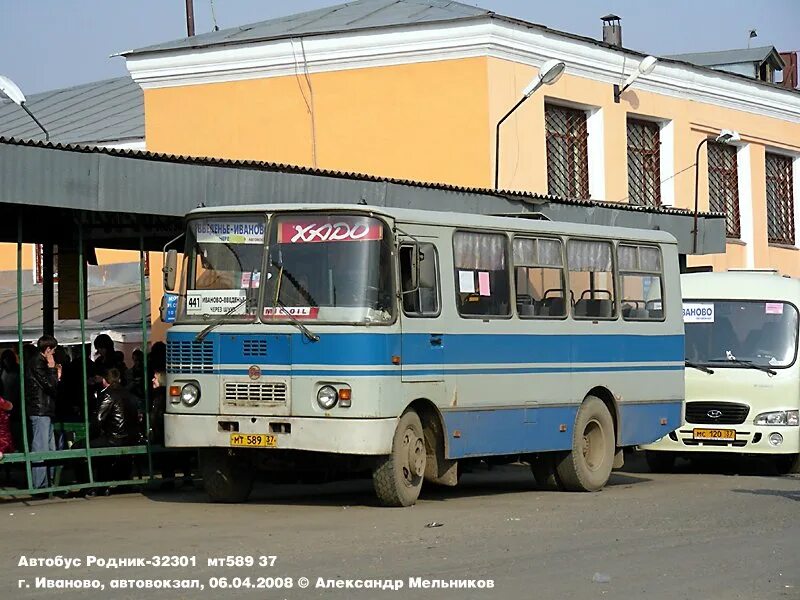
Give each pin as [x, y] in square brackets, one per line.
[226, 477]
[398, 477]
[588, 466]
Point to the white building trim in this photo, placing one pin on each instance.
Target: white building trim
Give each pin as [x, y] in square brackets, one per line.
[747, 230]
[666, 167]
[446, 41]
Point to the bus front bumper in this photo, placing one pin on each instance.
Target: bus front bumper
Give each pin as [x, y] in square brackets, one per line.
[339, 436]
[750, 439]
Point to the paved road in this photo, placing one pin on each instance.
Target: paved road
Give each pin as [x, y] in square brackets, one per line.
[718, 534]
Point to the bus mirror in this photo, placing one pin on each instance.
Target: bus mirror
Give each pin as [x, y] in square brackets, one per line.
[427, 269]
[162, 310]
[170, 269]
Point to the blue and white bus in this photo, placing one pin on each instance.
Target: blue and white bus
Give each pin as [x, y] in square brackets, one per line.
[411, 342]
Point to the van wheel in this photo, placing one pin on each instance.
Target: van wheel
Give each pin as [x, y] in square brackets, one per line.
[588, 466]
[226, 478]
[398, 477]
[543, 467]
[659, 462]
[787, 464]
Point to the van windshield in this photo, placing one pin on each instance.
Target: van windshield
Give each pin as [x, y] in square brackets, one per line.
[334, 268]
[736, 332]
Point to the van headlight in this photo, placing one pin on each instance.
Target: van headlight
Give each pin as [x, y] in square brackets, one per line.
[327, 397]
[190, 394]
[778, 417]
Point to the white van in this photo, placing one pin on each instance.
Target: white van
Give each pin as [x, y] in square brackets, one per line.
[742, 371]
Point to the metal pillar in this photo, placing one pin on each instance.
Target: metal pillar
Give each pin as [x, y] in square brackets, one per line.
[145, 323]
[82, 316]
[22, 365]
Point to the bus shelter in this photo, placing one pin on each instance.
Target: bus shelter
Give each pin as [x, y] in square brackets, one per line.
[79, 198]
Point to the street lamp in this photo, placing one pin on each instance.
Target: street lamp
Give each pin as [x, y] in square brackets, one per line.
[10, 89]
[550, 72]
[645, 68]
[726, 136]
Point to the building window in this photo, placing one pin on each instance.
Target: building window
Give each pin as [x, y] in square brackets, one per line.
[567, 153]
[723, 186]
[644, 163]
[780, 200]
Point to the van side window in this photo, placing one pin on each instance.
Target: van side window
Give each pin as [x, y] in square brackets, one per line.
[422, 299]
[591, 279]
[481, 274]
[640, 273]
[539, 276]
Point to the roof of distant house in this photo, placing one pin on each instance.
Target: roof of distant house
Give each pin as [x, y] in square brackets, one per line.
[101, 112]
[731, 57]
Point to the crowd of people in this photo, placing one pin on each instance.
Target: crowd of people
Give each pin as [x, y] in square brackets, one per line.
[55, 393]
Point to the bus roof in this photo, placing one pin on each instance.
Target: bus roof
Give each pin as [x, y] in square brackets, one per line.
[522, 222]
[740, 285]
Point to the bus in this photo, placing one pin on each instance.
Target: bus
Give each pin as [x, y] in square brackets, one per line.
[742, 373]
[410, 344]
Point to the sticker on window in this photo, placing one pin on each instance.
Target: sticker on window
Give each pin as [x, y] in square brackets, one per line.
[298, 312]
[466, 282]
[229, 232]
[698, 312]
[215, 302]
[305, 231]
[773, 308]
[483, 283]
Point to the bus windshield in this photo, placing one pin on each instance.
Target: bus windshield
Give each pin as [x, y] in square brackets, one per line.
[737, 332]
[223, 270]
[329, 268]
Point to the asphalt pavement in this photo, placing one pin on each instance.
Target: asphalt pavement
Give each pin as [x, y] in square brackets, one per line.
[710, 532]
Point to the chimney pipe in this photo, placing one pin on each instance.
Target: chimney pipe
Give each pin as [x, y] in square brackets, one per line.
[612, 30]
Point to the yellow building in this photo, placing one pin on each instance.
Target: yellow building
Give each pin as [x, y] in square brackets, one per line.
[382, 87]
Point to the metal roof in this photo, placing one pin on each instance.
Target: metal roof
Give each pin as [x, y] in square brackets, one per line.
[730, 57]
[122, 192]
[351, 16]
[94, 113]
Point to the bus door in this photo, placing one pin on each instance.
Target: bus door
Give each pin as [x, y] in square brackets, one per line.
[423, 337]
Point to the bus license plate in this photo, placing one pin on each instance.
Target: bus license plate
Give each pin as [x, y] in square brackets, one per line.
[714, 434]
[254, 440]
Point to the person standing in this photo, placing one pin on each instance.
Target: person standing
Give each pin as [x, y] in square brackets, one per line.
[42, 375]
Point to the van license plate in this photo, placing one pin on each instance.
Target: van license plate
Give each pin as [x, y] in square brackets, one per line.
[254, 440]
[714, 434]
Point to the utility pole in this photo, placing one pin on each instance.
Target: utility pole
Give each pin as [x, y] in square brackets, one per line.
[190, 18]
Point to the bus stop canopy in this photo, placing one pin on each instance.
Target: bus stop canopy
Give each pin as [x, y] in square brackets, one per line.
[120, 196]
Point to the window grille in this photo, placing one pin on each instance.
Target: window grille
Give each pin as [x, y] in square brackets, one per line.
[567, 152]
[644, 163]
[723, 186]
[780, 200]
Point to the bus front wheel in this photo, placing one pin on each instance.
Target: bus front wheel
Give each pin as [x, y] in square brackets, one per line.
[588, 466]
[226, 477]
[398, 477]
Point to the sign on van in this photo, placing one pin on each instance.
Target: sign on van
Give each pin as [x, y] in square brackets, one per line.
[698, 312]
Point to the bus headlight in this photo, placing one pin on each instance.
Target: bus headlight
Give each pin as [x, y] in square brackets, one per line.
[778, 417]
[327, 397]
[190, 394]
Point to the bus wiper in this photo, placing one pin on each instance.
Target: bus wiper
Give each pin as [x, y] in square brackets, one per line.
[699, 367]
[748, 364]
[295, 321]
[202, 334]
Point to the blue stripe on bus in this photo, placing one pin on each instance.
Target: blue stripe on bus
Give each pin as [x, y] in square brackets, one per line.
[465, 371]
[537, 429]
[376, 349]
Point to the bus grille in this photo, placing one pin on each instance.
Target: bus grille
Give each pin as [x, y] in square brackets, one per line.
[716, 413]
[252, 395]
[190, 356]
[254, 347]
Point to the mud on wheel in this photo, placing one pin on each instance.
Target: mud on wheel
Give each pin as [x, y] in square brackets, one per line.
[588, 466]
[398, 477]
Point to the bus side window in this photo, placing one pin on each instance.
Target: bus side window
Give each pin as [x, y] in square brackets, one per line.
[481, 274]
[538, 269]
[422, 301]
[591, 279]
[640, 274]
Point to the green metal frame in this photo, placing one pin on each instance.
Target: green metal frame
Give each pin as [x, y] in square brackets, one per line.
[26, 456]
